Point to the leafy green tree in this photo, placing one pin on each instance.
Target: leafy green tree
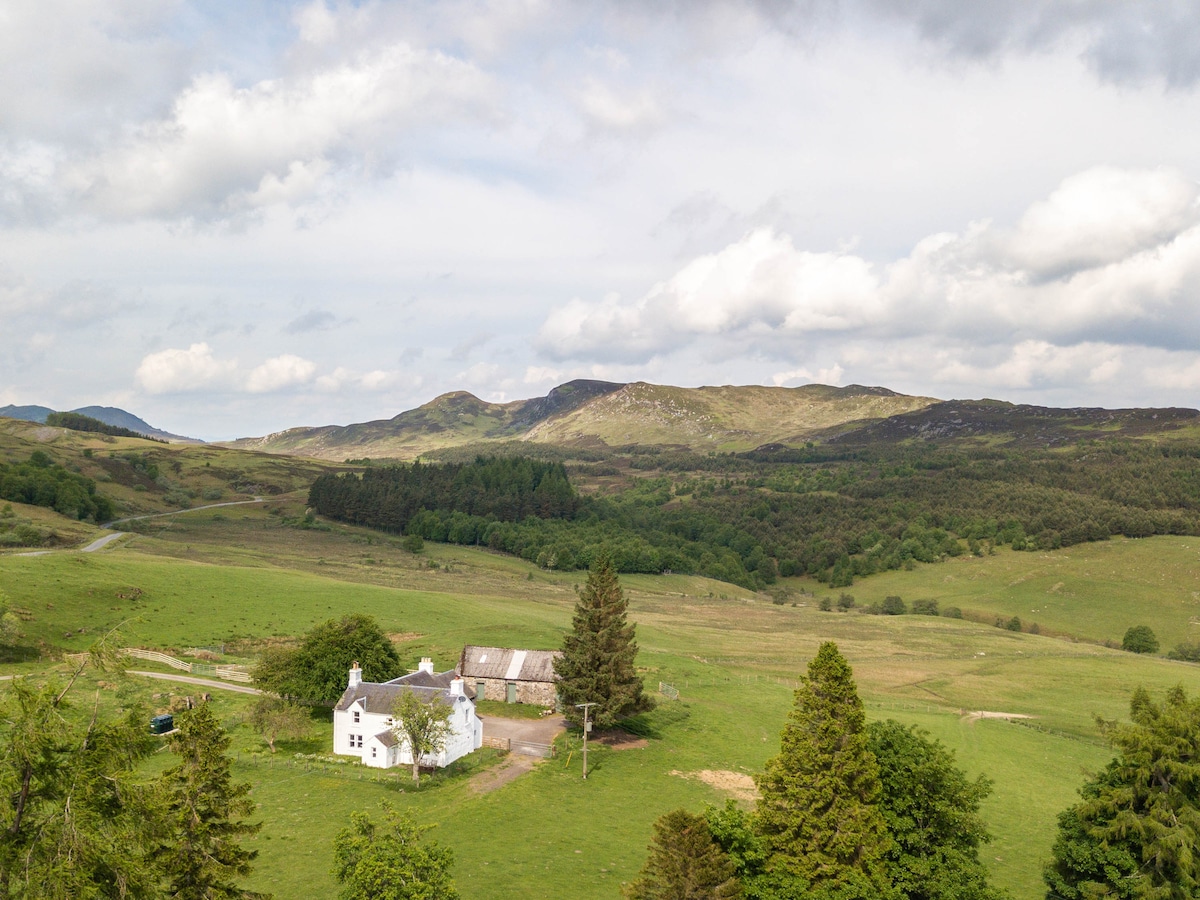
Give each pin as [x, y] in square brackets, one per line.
[932, 813]
[423, 725]
[1136, 831]
[74, 819]
[893, 606]
[818, 809]
[275, 718]
[597, 662]
[391, 862]
[316, 670]
[685, 863]
[1189, 651]
[1140, 639]
[200, 854]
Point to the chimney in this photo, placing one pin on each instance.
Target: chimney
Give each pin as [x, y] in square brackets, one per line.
[456, 688]
[355, 675]
[426, 665]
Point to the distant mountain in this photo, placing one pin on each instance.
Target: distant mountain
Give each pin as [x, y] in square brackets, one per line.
[109, 415]
[1014, 424]
[601, 413]
[26, 413]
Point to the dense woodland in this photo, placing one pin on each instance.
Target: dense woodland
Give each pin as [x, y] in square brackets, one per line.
[833, 513]
[42, 482]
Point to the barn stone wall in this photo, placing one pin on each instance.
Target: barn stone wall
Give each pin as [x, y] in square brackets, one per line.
[536, 693]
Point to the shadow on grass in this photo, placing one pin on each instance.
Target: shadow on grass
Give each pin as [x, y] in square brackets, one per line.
[651, 724]
[17, 653]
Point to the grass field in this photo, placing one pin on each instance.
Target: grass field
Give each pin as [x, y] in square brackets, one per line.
[242, 576]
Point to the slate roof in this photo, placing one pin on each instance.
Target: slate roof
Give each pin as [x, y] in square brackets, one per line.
[508, 664]
[378, 698]
[386, 738]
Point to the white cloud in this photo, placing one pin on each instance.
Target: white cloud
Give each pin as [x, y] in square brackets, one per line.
[608, 110]
[174, 370]
[280, 372]
[224, 149]
[1110, 255]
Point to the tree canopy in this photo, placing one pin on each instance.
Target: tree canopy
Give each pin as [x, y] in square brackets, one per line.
[1140, 639]
[685, 863]
[1136, 830]
[598, 653]
[316, 671]
[422, 724]
[932, 813]
[391, 861]
[200, 853]
[818, 811]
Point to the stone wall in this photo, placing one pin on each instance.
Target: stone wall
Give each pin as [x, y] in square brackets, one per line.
[535, 693]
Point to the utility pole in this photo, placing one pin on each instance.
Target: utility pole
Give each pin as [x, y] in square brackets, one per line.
[587, 726]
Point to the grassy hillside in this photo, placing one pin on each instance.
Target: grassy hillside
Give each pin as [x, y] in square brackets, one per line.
[720, 418]
[247, 575]
[146, 477]
[589, 413]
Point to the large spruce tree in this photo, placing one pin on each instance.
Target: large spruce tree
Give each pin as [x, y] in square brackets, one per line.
[818, 811]
[597, 662]
[1136, 831]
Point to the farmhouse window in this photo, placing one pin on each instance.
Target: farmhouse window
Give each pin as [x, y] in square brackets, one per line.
[356, 740]
[357, 717]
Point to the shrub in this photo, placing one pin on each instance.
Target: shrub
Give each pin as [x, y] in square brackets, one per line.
[925, 608]
[1189, 651]
[845, 601]
[1013, 624]
[826, 604]
[893, 606]
[952, 612]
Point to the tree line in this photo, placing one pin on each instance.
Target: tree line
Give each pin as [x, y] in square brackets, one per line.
[832, 513]
[80, 422]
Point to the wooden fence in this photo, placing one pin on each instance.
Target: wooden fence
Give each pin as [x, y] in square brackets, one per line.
[227, 673]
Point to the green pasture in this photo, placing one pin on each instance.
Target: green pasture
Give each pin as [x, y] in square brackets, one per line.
[1090, 591]
[242, 577]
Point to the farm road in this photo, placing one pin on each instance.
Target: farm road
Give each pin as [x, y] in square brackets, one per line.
[533, 731]
[201, 682]
[181, 511]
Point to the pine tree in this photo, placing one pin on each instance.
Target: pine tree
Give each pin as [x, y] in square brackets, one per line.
[818, 810]
[685, 863]
[200, 855]
[74, 821]
[597, 662]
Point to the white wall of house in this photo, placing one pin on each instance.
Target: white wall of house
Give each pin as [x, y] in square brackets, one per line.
[355, 732]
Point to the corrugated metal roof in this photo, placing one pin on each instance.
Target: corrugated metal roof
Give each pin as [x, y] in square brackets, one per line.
[507, 664]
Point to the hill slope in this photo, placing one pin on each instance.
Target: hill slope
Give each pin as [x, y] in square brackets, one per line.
[109, 415]
[594, 413]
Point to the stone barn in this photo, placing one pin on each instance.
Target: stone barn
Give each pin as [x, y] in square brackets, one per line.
[510, 676]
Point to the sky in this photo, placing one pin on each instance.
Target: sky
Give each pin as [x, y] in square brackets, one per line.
[231, 218]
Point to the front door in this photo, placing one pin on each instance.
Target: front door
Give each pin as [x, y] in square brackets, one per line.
[511, 692]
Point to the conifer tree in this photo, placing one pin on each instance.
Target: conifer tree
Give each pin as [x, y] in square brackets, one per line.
[204, 809]
[1136, 832]
[685, 863]
[818, 810]
[597, 662]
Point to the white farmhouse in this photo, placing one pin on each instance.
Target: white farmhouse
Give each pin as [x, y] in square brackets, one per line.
[362, 719]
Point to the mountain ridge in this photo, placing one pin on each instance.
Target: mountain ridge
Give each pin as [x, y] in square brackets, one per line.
[109, 415]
